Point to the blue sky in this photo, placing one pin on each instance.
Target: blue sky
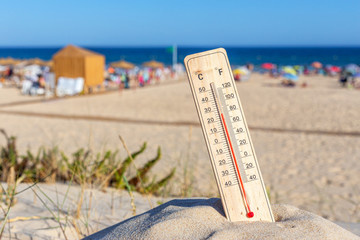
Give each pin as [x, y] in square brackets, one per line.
[185, 22]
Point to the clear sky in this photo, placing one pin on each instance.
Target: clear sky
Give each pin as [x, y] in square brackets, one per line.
[184, 22]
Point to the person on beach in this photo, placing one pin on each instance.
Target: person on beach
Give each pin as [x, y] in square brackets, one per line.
[41, 81]
[127, 80]
[343, 77]
[288, 83]
[146, 76]
[9, 73]
[158, 74]
[140, 77]
[121, 81]
[306, 70]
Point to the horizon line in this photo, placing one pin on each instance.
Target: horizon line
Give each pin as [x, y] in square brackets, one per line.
[183, 46]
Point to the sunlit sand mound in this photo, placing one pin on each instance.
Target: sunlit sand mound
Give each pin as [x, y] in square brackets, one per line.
[204, 219]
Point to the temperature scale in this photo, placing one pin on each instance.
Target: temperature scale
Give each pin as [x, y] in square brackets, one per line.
[227, 137]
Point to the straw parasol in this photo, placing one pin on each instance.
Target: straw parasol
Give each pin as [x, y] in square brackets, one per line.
[122, 64]
[37, 61]
[153, 64]
[49, 63]
[9, 61]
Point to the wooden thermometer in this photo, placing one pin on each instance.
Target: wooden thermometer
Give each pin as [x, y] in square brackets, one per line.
[227, 137]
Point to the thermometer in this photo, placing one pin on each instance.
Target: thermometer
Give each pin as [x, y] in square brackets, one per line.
[227, 137]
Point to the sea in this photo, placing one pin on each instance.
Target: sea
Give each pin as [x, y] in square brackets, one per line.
[339, 56]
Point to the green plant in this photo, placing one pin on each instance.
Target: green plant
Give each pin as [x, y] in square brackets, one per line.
[140, 182]
[82, 167]
[12, 172]
[119, 181]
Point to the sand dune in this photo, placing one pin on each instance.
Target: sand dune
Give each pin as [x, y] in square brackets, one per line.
[204, 219]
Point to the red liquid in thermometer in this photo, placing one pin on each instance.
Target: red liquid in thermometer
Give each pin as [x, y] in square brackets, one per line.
[249, 214]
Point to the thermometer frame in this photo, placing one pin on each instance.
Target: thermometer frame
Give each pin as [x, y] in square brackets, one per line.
[242, 190]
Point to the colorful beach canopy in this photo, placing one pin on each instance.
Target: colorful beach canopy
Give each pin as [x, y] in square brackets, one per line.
[335, 69]
[153, 64]
[123, 64]
[289, 70]
[291, 77]
[316, 65]
[352, 68]
[241, 71]
[268, 66]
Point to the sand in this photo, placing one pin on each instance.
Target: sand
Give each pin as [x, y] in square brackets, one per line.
[306, 139]
[204, 219]
[39, 213]
[303, 137]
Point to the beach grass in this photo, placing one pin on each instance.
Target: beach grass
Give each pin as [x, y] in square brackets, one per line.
[84, 168]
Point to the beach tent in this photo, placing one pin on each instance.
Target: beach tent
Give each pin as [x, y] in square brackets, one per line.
[76, 62]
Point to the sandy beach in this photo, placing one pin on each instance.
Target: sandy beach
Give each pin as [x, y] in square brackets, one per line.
[203, 219]
[306, 139]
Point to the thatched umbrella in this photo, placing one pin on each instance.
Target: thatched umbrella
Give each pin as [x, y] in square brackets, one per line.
[153, 64]
[37, 61]
[9, 61]
[49, 63]
[122, 64]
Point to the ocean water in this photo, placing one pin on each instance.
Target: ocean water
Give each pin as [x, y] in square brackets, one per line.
[339, 56]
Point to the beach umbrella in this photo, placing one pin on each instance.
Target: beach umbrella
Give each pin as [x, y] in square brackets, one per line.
[291, 77]
[289, 70]
[241, 73]
[9, 61]
[316, 64]
[50, 63]
[268, 66]
[335, 69]
[122, 64]
[352, 68]
[111, 70]
[37, 61]
[153, 64]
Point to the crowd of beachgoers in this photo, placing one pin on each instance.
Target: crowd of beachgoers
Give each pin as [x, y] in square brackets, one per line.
[36, 77]
[348, 75]
[140, 76]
